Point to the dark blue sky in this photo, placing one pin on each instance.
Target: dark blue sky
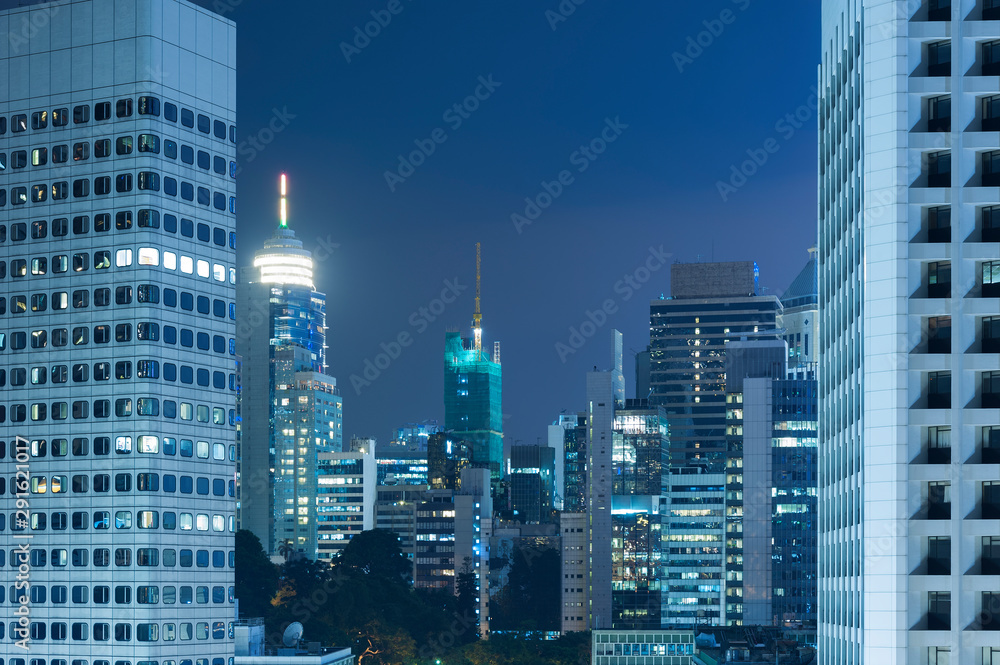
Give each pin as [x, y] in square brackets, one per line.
[655, 185]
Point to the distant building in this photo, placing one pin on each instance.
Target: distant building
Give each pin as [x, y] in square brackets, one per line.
[710, 305]
[532, 473]
[395, 511]
[250, 649]
[413, 436]
[446, 457]
[401, 466]
[472, 402]
[345, 497]
[291, 409]
[575, 546]
[453, 530]
[647, 647]
[800, 320]
[771, 511]
[571, 431]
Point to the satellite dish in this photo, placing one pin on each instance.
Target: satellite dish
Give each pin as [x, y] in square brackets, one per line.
[292, 634]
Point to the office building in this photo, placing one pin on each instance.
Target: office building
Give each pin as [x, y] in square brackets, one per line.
[799, 319]
[292, 410]
[710, 305]
[446, 457]
[532, 486]
[119, 314]
[345, 497]
[472, 401]
[453, 530]
[401, 466]
[568, 437]
[413, 436]
[395, 511]
[610, 647]
[771, 512]
[908, 369]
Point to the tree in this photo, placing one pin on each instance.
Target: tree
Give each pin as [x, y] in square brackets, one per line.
[256, 576]
[286, 550]
[465, 587]
[376, 552]
[379, 644]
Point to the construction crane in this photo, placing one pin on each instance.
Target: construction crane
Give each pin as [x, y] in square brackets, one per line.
[477, 318]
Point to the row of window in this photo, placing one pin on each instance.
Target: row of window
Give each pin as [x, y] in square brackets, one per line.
[122, 519]
[144, 369]
[142, 256]
[144, 556]
[124, 145]
[145, 332]
[144, 632]
[123, 108]
[147, 444]
[148, 294]
[123, 183]
[101, 483]
[144, 406]
[101, 595]
[938, 224]
[145, 218]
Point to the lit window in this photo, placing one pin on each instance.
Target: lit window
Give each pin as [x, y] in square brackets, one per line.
[169, 260]
[186, 521]
[149, 444]
[201, 522]
[219, 272]
[202, 268]
[149, 256]
[123, 257]
[202, 449]
[187, 265]
[218, 522]
[232, 275]
[218, 451]
[123, 444]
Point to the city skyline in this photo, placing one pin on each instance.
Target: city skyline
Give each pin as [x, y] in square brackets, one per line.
[396, 249]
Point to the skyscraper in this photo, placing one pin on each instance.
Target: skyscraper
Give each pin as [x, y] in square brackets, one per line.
[908, 381]
[120, 315]
[292, 410]
[473, 382]
[799, 318]
[711, 304]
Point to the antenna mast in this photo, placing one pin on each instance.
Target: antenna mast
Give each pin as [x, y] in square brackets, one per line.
[477, 318]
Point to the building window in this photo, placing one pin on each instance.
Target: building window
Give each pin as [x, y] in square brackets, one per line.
[991, 168]
[939, 500]
[939, 10]
[939, 59]
[939, 280]
[991, 390]
[938, 610]
[991, 12]
[939, 555]
[938, 445]
[939, 169]
[991, 279]
[991, 58]
[990, 222]
[939, 224]
[939, 334]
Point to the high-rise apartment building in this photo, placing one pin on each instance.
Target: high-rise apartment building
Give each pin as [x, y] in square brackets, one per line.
[292, 410]
[117, 219]
[909, 106]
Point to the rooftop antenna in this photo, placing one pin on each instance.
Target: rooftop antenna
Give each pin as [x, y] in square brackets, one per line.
[477, 318]
[284, 201]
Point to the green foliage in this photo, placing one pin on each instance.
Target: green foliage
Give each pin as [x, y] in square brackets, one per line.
[531, 599]
[256, 576]
[365, 601]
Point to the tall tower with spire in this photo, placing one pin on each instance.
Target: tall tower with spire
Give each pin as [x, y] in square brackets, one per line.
[472, 392]
[291, 409]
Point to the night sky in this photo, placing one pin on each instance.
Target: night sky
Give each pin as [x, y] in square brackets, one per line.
[553, 83]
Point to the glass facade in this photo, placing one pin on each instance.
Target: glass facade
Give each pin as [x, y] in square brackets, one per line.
[472, 402]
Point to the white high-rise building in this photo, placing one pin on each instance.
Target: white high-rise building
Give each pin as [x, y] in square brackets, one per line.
[117, 236]
[909, 387]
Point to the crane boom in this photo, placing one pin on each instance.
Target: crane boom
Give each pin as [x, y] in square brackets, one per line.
[477, 318]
